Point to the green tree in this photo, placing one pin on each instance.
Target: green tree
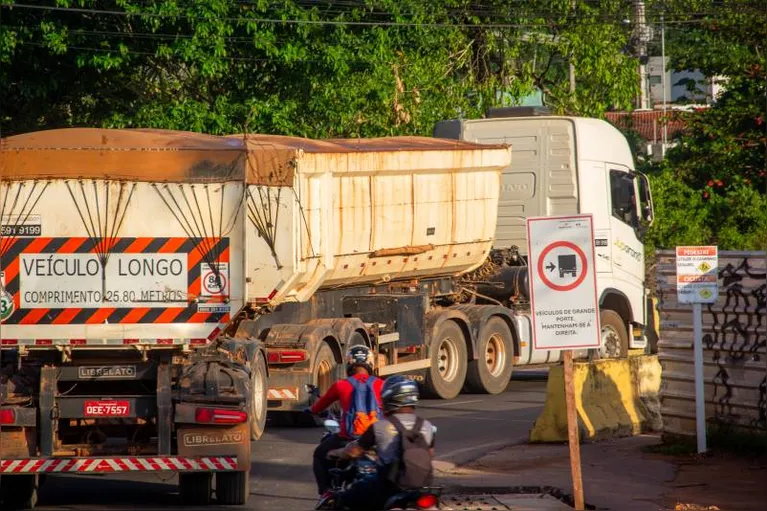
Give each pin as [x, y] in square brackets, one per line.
[313, 68]
[717, 173]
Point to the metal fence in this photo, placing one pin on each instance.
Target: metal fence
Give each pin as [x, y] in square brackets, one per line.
[734, 346]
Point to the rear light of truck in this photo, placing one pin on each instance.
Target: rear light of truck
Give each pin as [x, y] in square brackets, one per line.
[286, 356]
[219, 416]
[7, 416]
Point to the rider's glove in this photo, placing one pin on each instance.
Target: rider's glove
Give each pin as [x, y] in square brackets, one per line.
[338, 453]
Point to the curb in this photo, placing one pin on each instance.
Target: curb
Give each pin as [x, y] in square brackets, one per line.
[445, 466]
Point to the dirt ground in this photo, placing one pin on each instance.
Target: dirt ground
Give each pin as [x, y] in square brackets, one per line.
[718, 482]
[628, 474]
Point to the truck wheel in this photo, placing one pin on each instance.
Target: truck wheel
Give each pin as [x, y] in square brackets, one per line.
[195, 488]
[491, 372]
[19, 492]
[258, 398]
[232, 488]
[447, 372]
[614, 339]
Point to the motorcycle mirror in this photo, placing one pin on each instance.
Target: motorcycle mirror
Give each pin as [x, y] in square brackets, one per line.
[332, 425]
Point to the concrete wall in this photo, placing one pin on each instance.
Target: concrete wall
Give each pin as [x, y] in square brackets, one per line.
[734, 342]
[613, 398]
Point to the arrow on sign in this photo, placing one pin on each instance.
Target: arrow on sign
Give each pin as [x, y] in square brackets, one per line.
[551, 267]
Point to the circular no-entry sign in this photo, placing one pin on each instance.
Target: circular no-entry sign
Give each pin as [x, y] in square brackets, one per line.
[570, 262]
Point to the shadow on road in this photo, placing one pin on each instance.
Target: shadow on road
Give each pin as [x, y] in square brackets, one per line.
[121, 492]
[112, 492]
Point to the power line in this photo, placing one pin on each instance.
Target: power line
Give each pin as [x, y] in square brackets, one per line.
[79, 10]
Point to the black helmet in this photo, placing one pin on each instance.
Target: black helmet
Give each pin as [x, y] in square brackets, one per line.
[399, 392]
[359, 356]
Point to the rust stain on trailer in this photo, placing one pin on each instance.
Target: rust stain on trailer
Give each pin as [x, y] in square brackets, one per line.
[17, 442]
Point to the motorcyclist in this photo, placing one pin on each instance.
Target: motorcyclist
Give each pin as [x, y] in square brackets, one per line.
[359, 369]
[400, 396]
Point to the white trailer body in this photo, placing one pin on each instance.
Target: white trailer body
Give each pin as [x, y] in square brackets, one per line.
[138, 236]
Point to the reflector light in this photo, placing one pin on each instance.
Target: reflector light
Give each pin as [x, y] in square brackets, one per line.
[286, 356]
[219, 416]
[7, 416]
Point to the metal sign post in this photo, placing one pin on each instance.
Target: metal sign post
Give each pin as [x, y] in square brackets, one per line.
[697, 282]
[564, 305]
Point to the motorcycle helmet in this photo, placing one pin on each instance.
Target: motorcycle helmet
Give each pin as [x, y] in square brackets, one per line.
[399, 392]
[359, 356]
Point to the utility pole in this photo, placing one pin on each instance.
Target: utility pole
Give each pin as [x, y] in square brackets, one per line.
[663, 70]
[641, 37]
[572, 66]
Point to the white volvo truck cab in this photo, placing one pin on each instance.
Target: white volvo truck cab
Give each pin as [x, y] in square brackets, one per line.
[574, 165]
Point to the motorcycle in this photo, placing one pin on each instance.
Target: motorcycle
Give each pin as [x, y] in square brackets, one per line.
[347, 473]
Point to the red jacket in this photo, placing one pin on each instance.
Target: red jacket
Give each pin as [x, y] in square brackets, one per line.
[343, 391]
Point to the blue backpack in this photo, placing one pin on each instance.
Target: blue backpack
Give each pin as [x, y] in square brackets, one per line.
[364, 409]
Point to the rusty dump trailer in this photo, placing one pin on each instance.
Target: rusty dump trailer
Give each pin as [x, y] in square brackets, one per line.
[161, 290]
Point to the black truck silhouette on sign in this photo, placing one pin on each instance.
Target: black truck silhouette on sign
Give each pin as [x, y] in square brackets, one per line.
[567, 265]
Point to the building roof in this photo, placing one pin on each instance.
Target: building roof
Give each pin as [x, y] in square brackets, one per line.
[648, 123]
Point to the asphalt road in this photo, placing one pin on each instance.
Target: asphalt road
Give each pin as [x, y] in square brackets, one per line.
[281, 478]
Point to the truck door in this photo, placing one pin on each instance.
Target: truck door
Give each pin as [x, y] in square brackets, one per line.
[627, 249]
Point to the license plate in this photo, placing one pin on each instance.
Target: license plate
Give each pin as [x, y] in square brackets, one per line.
[107, 408]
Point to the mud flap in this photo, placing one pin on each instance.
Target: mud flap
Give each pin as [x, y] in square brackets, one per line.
[197, 440]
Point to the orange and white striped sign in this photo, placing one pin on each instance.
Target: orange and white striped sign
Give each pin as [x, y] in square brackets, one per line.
[283, 394]
[118, 464]
[79, 281]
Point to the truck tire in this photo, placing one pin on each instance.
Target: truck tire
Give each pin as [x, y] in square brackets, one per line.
[614, 338]
[447, 373]
[18, 492]
[232, 488]
[195, 488]
[491, 372]
[258, 397]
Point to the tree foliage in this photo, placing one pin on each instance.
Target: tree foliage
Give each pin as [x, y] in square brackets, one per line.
[317, 68]
[711, 188]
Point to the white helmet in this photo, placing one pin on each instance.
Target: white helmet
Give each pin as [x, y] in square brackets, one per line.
[359, 356]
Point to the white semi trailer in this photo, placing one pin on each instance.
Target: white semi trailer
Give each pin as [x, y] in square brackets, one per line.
[159, 286]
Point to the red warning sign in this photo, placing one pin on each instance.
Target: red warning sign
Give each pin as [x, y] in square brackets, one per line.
[570, 261]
